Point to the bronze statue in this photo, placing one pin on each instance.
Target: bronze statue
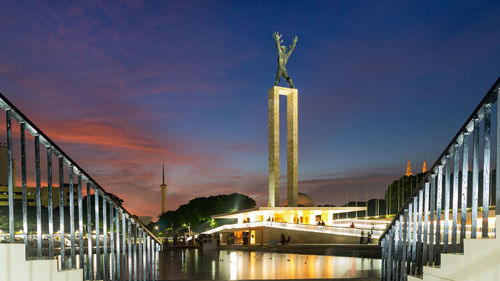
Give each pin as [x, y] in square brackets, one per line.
[283, 56]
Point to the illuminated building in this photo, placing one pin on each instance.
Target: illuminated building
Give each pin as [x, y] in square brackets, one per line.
[266, 225]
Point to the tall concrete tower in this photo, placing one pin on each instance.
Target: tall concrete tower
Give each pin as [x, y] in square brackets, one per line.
[163, 192]
[292, 145]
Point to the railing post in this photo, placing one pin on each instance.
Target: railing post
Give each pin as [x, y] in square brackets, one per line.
[80, 222]
[396, 250]
[72, 216]
[38, 197]
[432, 201]
[112, 240]
[497, 173]
[439, 194]
[419, 235]
[410, 235]
[486, 168]
[24, 182]
[141, 267]
[465, 178]
[49, 199]
[426, 224]
[150, 276]
[10, 174]
[447, 195]
[61, 210]
[454, 226]
[390, 263]
[124, 246]
[144, 267]
[135, 250]
[382, 268]
[415, 233]
[97, 235]
[129, 242]
[400, 248]
[104, 239]
[475, 177]
[157, 272]
[118, 256]
[90, 257]
[384, 258]
[404, 272]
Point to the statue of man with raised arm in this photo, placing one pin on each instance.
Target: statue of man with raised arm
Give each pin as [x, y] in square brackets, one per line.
[283, 56]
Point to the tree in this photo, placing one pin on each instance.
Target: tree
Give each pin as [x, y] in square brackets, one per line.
[197, 213]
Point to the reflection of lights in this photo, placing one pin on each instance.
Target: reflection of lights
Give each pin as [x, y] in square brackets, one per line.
[233, 266]
[353, 267]
[213, 270]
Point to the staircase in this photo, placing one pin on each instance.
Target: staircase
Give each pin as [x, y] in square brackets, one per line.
[15, 267]
[480, 261]
[461, 183]
[120, 247]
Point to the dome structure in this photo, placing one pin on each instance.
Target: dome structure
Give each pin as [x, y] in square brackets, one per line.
[304, 200]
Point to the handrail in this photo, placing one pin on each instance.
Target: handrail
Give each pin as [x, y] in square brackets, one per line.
[143, 245]
[412, 239]
[34, 130]
[490, 97]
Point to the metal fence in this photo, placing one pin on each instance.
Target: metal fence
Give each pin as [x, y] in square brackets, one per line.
[106, 241]
[460, 181]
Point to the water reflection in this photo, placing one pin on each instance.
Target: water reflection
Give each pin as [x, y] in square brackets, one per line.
[236, 265]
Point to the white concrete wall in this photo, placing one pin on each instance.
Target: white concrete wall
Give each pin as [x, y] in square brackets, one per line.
[480, 261]
[15, 267]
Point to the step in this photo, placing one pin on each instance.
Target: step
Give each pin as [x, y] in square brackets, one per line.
[451, 260]
[414, 278]
[472, 245]
[14, 266]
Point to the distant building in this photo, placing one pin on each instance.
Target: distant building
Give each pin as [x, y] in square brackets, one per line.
[408, 168]
[18, 195]
[30, 191]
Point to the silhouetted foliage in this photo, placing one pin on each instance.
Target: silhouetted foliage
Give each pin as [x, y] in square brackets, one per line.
[197, 213]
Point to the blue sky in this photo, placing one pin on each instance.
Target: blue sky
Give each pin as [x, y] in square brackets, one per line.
[125, 86]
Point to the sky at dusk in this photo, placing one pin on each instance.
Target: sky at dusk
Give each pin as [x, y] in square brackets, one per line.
[123, 87]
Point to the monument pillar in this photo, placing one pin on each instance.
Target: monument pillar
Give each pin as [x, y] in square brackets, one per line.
[292, 145]
[274, 147]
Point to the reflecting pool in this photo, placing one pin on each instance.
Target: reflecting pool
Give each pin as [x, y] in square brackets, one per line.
[184, 264]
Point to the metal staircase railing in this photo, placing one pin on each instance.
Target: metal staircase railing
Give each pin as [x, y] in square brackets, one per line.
[106, 241]
[421, 230]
